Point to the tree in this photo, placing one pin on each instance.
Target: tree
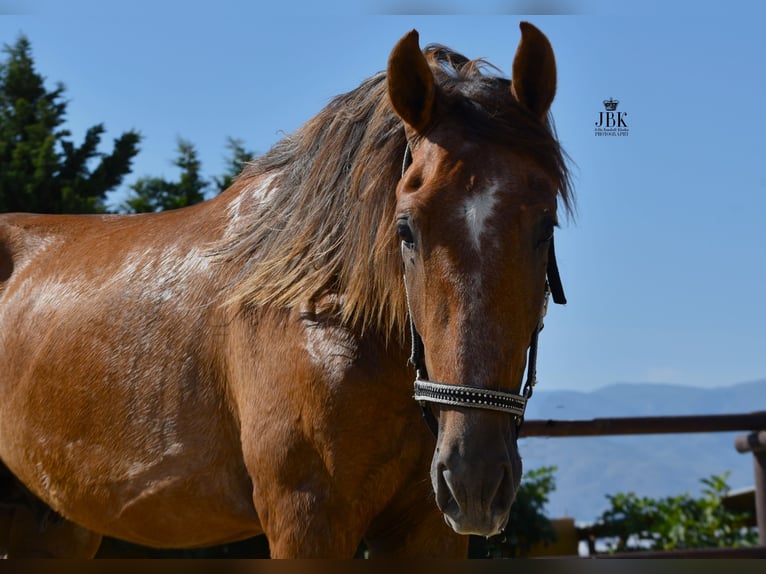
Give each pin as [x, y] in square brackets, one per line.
[676, 522]
[157, 194]
[43, 170]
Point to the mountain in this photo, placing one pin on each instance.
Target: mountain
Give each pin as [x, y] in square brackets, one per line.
[589, 468]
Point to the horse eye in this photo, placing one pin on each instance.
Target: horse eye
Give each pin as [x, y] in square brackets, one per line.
[405, 231]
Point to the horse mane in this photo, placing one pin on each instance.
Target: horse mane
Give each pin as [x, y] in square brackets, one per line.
[325, 230]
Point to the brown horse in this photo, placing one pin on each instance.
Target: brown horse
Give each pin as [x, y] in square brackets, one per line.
[238, 367]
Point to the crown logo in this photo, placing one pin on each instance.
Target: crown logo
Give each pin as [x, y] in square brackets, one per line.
[611, 104]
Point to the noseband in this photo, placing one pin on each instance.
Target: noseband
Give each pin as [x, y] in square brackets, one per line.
[427, 392]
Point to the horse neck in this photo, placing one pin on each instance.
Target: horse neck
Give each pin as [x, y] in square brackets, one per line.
[244, 195]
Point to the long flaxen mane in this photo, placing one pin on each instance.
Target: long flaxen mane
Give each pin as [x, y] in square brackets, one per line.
[325, 229]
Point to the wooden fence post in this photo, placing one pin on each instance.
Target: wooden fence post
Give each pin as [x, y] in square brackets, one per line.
[756, 443]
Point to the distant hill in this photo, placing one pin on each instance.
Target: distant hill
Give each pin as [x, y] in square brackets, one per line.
[589, 468]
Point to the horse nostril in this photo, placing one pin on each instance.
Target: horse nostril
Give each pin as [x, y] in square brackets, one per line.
[442, 490]
[445, 497]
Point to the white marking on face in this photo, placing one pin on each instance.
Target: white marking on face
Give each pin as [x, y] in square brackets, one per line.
[477, 209]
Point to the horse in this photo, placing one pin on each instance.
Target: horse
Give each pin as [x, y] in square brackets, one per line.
[244, 366]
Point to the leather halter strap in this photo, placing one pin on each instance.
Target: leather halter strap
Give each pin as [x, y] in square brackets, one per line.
[427, 391]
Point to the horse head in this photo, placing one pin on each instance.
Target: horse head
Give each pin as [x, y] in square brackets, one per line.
[476, 210]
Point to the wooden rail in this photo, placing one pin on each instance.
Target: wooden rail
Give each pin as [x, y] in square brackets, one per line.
[644, 425]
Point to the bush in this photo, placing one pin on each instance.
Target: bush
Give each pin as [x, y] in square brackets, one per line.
[677, 522]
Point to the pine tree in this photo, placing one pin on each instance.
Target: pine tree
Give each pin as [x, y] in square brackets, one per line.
[43, 170]
[158, 194]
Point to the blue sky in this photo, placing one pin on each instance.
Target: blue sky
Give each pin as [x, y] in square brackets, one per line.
[664, 264]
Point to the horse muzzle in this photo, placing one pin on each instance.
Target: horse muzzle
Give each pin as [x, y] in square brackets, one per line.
[475, 476]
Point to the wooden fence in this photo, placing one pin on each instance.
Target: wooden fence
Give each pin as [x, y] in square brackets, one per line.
[754, 442]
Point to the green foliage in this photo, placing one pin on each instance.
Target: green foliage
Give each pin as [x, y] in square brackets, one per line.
[157, 194]
[676, 522]
[43, 170]
[527, 524]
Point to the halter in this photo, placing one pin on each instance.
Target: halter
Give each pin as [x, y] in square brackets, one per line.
[427, 391]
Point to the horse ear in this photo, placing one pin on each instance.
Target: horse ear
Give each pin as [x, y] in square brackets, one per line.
[411, 86]
[533, 81]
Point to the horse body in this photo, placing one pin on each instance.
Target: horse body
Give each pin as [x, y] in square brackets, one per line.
[239, 367]
[196, 426]
[153, 415]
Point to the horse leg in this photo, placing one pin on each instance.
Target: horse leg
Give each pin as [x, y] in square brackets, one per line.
[429, 538]
[297, 527]
[414, 527]
[58, 538]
